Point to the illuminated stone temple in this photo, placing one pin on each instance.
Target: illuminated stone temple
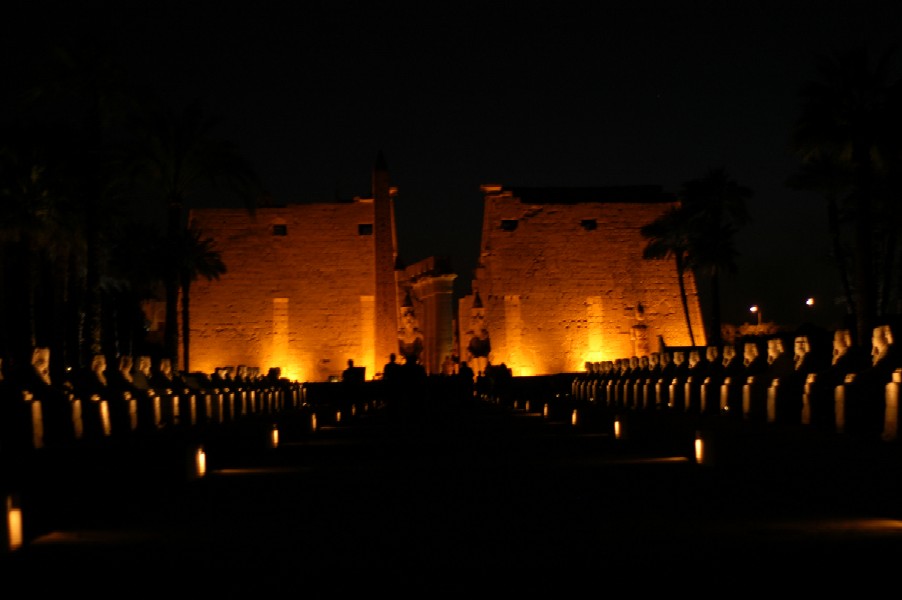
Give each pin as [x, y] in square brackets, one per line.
[561, 281]
[310, 286]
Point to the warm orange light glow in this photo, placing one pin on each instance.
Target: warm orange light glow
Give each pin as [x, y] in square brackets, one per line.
[617, 429]
[574, 417]
[527, 406]
[699, 449]
[338, 416]
[200, 462]
[77, 419]
[594, 356]
[105, 418]
[274, 439]
[37, 424]
[13, 525]
[313, 422]
[545, 410]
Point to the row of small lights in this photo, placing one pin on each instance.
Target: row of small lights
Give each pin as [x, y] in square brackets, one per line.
[13, 526]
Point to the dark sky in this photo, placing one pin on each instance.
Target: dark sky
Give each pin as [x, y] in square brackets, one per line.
[551, 94]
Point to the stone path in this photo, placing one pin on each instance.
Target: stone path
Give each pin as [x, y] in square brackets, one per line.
[469, 503]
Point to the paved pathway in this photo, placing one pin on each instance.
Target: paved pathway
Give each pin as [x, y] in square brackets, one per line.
[471, 503]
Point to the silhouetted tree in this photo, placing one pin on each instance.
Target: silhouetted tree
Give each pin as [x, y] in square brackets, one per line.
[82, 84]
[195, 257]
[850, 130]
[177, 158]
[138, 261]
[715, 207]
[41, 235]
[699, 233]
[669, 236]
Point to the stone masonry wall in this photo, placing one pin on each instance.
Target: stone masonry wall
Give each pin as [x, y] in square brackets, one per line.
[564, 283]
[302, 301]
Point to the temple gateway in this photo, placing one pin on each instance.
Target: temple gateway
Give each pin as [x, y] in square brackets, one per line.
[560, 282]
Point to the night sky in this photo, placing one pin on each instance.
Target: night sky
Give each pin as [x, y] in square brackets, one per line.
[455, 96]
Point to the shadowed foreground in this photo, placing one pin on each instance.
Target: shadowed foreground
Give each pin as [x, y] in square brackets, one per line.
[469, 501]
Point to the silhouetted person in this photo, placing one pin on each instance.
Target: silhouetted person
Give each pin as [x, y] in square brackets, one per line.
[392, 378]
[392, 370]
[353, 375]
[466, 378]
[412, 390]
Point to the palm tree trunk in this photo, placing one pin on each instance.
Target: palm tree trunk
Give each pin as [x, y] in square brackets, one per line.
[833, 225]
[683, 298]
[186, 326]
[864, 263]
[173, 235]
[715, 308]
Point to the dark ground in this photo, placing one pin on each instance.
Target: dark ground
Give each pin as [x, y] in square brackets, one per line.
[482, 501]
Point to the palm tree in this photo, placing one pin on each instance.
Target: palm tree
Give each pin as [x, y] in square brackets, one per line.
[137, 264]
[698, 234]
[715, 207]
[86, 86]
[851, 118]
[177, 158]
[40, 235]
[195, 257]
[669, 236]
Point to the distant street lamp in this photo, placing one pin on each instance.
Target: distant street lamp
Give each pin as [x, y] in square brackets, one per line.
[809, 310]
[757, 310]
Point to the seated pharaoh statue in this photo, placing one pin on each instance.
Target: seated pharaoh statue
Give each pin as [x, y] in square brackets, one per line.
[410, 338]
